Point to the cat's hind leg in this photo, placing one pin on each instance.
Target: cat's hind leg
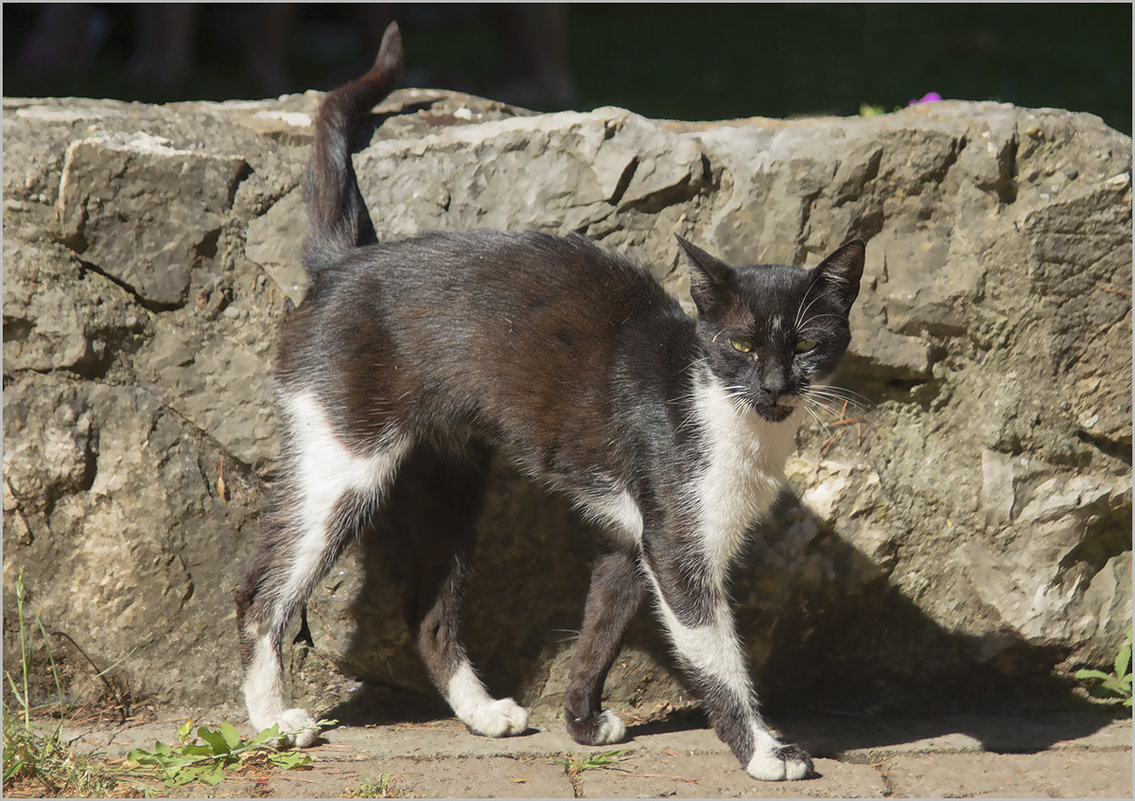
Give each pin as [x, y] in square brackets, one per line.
[617, 588]
[325, 489]
[435, 505]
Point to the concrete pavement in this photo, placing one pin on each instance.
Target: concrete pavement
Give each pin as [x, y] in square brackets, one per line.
[1064, 755]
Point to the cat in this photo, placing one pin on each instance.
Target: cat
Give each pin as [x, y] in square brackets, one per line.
[418, 358]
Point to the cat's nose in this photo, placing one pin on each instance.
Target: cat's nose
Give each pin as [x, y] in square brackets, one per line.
[773, 383]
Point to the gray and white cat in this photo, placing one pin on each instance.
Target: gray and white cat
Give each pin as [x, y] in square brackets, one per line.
[408, 362]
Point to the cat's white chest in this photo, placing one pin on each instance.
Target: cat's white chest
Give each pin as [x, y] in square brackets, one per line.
[744, 471]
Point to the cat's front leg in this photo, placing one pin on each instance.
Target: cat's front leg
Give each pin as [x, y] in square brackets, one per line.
[617, 588]
[693, 606]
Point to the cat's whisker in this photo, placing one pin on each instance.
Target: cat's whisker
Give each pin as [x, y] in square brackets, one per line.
[809, 407]
[688, 398]
[853, 398]
[828, 408]
[573, 635]
[688, 420]
[741, 393]
[836, 392]
[840, 407]
[833, 409]
[802, 309]
[807, 320]
[834, 405]
[812, 324]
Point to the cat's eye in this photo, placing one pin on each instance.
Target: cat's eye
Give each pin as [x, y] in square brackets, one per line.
[805, 345]
[743, 345]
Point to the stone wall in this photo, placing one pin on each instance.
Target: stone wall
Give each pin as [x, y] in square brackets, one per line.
[965, 527]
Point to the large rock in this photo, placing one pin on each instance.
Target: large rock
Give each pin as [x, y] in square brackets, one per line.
[962, 521]
[141, 211]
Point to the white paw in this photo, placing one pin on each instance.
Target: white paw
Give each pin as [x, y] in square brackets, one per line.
[785, 763]
[502, 718]
[294, 720]
[611, 728]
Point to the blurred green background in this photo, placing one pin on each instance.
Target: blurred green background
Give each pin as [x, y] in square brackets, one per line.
[686, 61]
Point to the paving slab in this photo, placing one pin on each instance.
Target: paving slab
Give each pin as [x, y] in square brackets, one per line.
[485, 777]
[1067, 755]
[1051, 774]
[718, 776]
[869, 740]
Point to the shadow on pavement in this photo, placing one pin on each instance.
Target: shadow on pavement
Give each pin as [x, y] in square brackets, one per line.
[850, 665]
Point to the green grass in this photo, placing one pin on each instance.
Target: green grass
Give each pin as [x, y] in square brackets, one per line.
[605, 759]
[381, 786]
[715, 61]
[37, 762]
[36, 758]
[45, 766]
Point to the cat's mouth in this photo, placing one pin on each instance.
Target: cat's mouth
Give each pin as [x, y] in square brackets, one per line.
[774, 412]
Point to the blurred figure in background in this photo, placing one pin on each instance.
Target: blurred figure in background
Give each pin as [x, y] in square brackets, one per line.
[65, 36]
[164, 42]
[533, 52]
[171, 48]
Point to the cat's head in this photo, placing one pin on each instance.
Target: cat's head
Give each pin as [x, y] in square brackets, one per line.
[770, 331]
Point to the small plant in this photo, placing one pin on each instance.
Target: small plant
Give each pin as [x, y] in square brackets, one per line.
[873, 110]
[375, 787]
[607, 759]
[40, 763]
[1116, 686]
[39, 760]
[221, 750]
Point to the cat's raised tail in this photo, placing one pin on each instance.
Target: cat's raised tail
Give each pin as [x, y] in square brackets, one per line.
[335, 208]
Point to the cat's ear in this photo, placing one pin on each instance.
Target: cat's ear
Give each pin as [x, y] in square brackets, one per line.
[712, 281]
[841, 272]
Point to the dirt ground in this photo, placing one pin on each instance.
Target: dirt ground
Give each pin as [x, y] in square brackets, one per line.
[1062, 755]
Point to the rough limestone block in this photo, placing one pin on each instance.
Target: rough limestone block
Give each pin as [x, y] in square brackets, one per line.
[961, 497]
[141, 210]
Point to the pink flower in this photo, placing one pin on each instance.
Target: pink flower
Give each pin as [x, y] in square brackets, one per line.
[929, 97]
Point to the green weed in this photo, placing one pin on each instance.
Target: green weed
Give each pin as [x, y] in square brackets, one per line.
[381, 786]
[218, 751]
[873, 110]
[1114, 687]
[36, 761]
[607, 759]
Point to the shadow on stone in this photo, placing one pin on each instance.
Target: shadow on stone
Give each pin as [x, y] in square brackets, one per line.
[861, 651]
